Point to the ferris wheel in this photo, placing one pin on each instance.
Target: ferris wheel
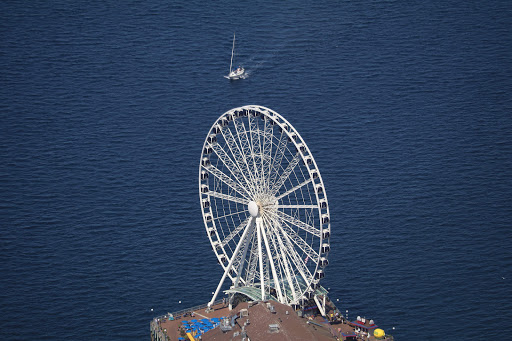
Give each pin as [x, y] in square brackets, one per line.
[264, 206]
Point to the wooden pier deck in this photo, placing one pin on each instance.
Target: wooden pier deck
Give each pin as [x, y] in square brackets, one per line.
[287, 325]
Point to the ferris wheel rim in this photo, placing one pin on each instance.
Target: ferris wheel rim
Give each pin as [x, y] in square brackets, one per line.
[262, 208]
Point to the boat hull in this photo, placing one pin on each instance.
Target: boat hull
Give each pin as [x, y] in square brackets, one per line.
[234, 75]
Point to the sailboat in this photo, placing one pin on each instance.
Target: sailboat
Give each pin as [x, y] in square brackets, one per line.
[238, 72]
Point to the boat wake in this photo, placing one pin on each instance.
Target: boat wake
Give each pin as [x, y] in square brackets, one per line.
[259, 61]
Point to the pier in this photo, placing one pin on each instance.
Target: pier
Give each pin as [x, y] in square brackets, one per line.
[260, 320]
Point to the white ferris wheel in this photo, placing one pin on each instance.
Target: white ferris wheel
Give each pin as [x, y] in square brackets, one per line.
[264, 207]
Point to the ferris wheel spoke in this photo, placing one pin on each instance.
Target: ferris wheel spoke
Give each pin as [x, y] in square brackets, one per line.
[280, 253]
[258, 146]
[245, 147]
[229, 164]
[229, 215]
[235, 232]
[236, 167]
[301, 244]
[226, 159]
[296, 259]
[265, 157]
[293, 189]
[239, 155]
[281, 273]
[299, 223]
[277, 282]
[284, 176]
[303, 272]
[228, 197]
[275, 165]
[298, 206]
[227, 180]
[266, 153]
[255, 144]
[297, 267]
[260, 258]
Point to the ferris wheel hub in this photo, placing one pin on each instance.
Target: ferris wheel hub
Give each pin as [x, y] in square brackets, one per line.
[254, 209]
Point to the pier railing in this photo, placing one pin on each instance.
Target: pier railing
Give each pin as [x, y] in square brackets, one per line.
[180, 312]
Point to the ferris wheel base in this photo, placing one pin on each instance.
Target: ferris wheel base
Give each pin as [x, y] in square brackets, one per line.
[254, 294]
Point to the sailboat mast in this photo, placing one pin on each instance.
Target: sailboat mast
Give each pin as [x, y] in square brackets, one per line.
[232, 52]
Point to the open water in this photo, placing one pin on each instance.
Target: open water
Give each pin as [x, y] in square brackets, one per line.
[104, 106]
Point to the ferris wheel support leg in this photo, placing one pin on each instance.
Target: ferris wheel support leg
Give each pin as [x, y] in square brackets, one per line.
[228, 268]
[272, 266]
[319, 305]
[241, 266]
[244, 254]
[260, 256]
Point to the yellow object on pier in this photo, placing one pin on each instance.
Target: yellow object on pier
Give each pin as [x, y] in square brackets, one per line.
[379, 333]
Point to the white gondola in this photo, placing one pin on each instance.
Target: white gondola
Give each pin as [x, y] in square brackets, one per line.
[207, 150]
[320, 274]
[205, 162]
[204, 175]
[326, 233]
[212, 139]
[206, 203]
[323, 203]
[319, 188]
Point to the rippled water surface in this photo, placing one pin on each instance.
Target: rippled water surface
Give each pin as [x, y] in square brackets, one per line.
[104, 107]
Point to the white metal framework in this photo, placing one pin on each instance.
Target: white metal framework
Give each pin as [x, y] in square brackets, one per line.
[264, 206]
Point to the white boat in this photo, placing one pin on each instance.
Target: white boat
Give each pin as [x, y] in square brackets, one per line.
[238, 72]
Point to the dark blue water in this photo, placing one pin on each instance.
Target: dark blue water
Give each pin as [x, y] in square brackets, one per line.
[104, 107]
